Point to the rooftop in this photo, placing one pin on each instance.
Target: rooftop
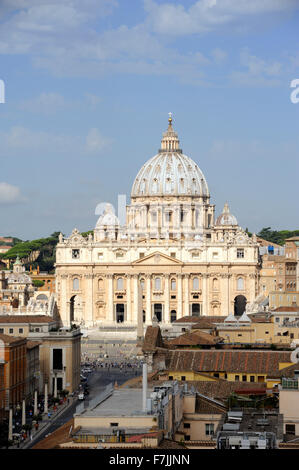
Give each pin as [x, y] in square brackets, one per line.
[122, 402]
[26, 319]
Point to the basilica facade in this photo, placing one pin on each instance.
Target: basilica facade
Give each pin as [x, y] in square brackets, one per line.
[171, 258]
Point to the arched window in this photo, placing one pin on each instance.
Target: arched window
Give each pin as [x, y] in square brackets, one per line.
[100, 284]
[75, 283]
[172, 316]
[215, 284]
[120, 283]
[173, 284]
[195, 283]
[157, 283]
[142, 284]
[240, 283]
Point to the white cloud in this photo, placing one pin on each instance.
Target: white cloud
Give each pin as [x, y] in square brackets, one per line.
[46, 103]
[207, 15]
[258, 72]
[95, 142]
[9, 194]
[19, 140]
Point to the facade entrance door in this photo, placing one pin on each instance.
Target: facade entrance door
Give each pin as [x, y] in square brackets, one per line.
[158, 311]
[120, 313]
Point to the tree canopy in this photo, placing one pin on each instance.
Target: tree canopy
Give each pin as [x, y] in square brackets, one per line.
[277, 236]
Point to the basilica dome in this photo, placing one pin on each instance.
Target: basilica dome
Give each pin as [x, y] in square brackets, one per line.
[170, 172]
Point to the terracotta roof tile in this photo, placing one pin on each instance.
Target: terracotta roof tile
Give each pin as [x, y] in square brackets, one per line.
[26, 319]
[258, 362]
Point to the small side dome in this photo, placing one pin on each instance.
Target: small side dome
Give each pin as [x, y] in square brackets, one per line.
[108, 218]
[226, 218]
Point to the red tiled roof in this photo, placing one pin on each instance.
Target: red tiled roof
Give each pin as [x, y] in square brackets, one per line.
[204, 360]
[152, 338]
[195, 339]
[26, 319]
[286, 309]
[7, 339]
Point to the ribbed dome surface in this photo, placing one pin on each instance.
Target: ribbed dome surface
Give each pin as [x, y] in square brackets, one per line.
[170, 172]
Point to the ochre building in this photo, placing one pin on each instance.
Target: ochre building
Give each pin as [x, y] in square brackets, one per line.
[169, 258]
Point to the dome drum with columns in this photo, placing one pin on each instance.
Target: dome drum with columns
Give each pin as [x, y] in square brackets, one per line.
[169, 260]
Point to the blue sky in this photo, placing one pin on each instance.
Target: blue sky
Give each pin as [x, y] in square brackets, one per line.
[88, 88]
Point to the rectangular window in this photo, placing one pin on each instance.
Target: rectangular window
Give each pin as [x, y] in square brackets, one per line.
[186, 425]
[290, 429]
[170, 377]
[75, 254]
[1, 330]
[252, 378]
[183, 377]
[141, 255]
[20, 330]
[209, 429]
[113, 424]
[237, 378]
[187, 438]
[244, 378]
[57, 359]
[10, 330]
[172, 255]
[240, 252]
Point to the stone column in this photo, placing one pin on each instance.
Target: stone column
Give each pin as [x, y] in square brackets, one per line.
[129, 300]
[110, 306]
[10, 424]
[148, 314]
[135, 299]
[55, 386]
[251, 281]
[88, 310]
[166, 297]
[139, 311]
[187, 303]
[180, 296]
[23, 412]
[205, 294]
[35, 403]
[225, 306]
[46, 398]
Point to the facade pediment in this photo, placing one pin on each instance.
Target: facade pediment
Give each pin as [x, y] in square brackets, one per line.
[157, 258]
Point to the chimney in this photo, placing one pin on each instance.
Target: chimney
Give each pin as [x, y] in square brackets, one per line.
[144, 386]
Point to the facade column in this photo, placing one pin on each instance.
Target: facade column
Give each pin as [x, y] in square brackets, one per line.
[187, 299]
[135, 298]
[166, 297]
[110, 313]
[205, 294]
[88, 309]
[224, 296]
[180, 296]
[148, 300]
[251, 280]
[129, 299]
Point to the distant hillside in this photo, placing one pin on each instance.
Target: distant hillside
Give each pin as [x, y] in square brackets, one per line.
[40, 252]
